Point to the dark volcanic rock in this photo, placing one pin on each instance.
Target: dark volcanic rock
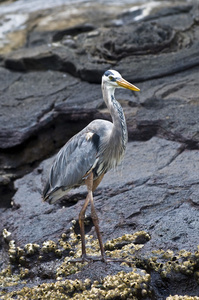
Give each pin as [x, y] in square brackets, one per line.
[51, 68]
[144, 38]
[173, 108]
[155, 46]
[35, 115]
[151, 191]
[149, 49]
[153, 155]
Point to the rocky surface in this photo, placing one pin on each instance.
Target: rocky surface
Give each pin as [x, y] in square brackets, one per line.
[51, 63]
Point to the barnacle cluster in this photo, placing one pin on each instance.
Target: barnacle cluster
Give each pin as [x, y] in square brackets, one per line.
[166, 262]
[69, 266]
[17, 271]
[127, 245]
[6, 234]
[58, 290]
[119, 242]
[50, 247]
[31, 248]
[176, 297]
[7, 278]
[120, 286]
[125, 285]
[18, 255]
[133, 283]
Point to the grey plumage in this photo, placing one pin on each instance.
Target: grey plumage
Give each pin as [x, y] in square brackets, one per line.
[74, 161]
[93, 151]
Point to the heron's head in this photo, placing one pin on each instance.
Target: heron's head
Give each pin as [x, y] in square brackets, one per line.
[114, 79]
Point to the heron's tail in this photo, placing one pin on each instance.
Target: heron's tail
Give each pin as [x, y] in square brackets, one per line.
[54, 195]
[46, 191]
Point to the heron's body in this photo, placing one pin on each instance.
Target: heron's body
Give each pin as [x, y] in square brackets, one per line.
[88, 155]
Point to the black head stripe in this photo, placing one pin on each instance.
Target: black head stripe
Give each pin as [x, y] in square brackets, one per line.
[107, 73]
[110, 75]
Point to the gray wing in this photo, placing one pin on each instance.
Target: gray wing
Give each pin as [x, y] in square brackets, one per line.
[71, 164]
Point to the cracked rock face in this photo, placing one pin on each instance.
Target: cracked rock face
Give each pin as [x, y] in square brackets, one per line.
[51, 64]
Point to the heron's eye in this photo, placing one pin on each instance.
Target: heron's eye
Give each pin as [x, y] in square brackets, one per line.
[111, 78]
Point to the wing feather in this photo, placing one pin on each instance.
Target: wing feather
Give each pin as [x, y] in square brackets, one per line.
[72, 163]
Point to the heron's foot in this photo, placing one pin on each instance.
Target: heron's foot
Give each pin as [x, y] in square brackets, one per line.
[103, 258]
[120, 260]
[86, 258]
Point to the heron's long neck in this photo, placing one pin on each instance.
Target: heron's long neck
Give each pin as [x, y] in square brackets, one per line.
[119, 132]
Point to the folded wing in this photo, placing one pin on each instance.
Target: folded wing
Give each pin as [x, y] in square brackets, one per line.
[72, 164]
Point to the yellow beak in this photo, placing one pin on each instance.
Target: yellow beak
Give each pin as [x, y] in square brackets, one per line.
[127, 85]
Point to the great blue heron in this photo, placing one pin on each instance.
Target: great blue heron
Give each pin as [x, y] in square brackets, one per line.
[88, 155]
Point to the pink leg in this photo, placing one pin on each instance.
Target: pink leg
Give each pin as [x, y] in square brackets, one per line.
[96, 224]
[81, 225]
[89, 198]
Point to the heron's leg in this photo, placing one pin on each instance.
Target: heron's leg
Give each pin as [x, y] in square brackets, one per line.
[89, 184]
[95, 217]
[81, 225]
[96, 224]
[97, 182]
